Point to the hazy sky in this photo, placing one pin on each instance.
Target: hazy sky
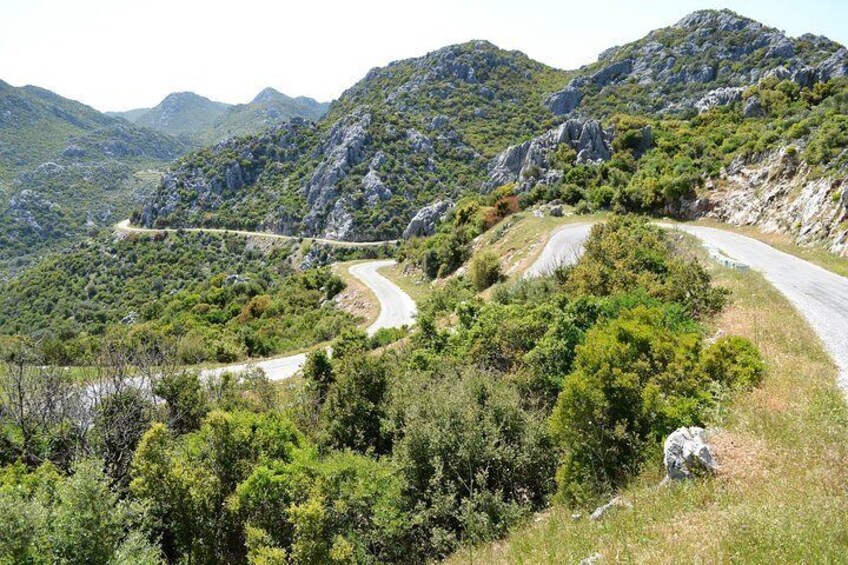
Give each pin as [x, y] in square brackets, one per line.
[122, 54]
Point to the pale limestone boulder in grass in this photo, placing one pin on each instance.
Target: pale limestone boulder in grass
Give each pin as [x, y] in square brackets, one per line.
[617, 502]
[686, 454]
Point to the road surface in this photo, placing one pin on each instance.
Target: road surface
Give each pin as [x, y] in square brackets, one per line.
[396, 309]
[124, 226]
[820, 296]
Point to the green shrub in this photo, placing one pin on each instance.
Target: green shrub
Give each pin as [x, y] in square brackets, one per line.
[635, 380]
[734, 362]
[484, 270]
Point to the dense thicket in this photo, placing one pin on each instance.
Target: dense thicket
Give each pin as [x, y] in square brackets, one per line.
[563, 386]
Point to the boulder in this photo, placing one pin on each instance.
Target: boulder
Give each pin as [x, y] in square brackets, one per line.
[612, 72]
[374, 189]
[235, 279]
[686, 454]
[424, 222]
[591, 559]
[753, 107]
[719, 97]
[419, 142]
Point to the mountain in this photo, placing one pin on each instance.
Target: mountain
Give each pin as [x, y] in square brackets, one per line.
[415, 131]
[202, 121]
[129, 115]
[269, 107]
[646, 128]
[66, 168]
[182, 113]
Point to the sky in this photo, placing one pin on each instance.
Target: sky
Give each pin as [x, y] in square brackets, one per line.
[123, 54]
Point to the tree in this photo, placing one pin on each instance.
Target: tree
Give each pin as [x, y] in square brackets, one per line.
[185, 398]
[353, 412]
[122, 419]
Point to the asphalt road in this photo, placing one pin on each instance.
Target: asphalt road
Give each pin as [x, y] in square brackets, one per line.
[819, 295]
[396, 309]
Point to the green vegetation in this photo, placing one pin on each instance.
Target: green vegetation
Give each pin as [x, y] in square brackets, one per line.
[773, 499]
[217, 297]
[404, 454]
[419, 160]
[66, 170]
[201, 121]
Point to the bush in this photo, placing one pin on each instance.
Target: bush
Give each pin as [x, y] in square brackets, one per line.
[484, 270]
[474, 461]
[635, 380]
[734, 362]
[627, 253]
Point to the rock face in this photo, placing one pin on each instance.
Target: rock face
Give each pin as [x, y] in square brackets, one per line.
[529, 163]
[342, 148]
[779, 193]
[424, 222]
[686, 454]
[564, 101]
[719, 97]
[680, 68]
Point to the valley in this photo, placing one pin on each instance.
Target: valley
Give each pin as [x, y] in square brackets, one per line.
[477, 308]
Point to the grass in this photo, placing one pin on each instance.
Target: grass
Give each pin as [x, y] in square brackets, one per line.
[781, 495]
[357, 298]
[411, 281]
[519, 239]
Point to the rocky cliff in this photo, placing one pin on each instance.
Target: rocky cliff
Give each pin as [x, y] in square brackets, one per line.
[779, 192]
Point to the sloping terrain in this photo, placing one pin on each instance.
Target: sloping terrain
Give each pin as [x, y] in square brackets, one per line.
[66, 168]
[643, 129]
[201, 121]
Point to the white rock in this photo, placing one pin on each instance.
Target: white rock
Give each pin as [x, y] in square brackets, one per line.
[686, 453]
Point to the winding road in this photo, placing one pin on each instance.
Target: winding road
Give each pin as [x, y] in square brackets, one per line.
[124, 226]
[396, 309]
[820, 295]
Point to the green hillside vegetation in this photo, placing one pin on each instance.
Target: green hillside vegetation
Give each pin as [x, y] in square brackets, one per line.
[66, 169]
[500, 106]
[217, 298]
[451, 437]
[429, 127]
[270, 107]
[200, 121]
[776, 496]
[183, 114]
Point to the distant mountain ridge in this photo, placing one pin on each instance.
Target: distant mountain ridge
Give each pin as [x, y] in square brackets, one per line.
[204, 121]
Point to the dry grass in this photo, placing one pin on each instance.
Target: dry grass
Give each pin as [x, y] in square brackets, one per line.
[781, 495]
[518, 240]
[356, 299]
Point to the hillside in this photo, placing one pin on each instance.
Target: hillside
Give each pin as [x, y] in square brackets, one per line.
[66, 168]
[202, 121]
[413, 132]
[182, 114]
[654, 126]
[268, 108]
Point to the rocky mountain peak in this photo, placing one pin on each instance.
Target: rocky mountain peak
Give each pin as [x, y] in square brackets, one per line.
[269, 95]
